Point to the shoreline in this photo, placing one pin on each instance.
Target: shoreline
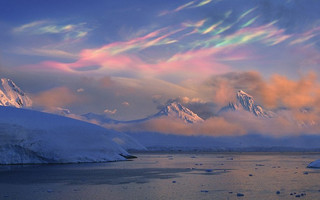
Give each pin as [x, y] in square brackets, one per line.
[227, 152]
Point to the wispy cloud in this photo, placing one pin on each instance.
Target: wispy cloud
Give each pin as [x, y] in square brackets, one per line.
[56, 39]
[47, 52]
[68, 30]
[184, 6]
[189, 5]
[29, 26]
[202, 3]
[196, 47]
[207, 57]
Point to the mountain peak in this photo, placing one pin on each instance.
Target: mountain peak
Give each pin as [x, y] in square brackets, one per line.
[246, 102]
[12, 95]
[175, 110]
[242, 93]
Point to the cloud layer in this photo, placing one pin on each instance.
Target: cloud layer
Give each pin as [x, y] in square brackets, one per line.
[124, 60]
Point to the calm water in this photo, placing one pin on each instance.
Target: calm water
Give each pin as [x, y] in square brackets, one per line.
[168, 176]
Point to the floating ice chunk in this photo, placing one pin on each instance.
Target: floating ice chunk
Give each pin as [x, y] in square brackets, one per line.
[314, 164]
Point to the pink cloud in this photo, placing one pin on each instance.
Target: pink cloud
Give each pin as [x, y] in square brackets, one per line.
[116, 58]
[196, 62]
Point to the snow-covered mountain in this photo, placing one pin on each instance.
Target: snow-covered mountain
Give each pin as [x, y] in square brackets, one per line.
[175, 110]
[172, 110]
[12, 95]
[28, 136]
[246, 102]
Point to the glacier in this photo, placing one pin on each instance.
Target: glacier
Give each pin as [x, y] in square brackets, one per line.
[28, 136]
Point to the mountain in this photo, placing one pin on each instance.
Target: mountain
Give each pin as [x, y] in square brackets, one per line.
[29, 136]
[246, 102]
[12, 95]
[173, 110]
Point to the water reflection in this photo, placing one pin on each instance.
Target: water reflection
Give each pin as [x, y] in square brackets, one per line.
[168, 176]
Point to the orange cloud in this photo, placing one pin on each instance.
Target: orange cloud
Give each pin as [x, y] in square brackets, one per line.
[294, 94]
[56, 97]
[278, 91]
[216, 126]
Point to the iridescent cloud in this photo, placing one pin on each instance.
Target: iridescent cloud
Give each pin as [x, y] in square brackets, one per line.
[200, 47]
[204, 2]
[69, 31]
[49, 52]
[191, 4]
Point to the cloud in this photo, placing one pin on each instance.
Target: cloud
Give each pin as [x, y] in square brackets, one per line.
[69, 31]
[56, 97]
[112, 112]
[105, 82]
[187, 100]
[47, 52]
[125, 103]
[28, 26]
[278, 91]
[48, 38]
[212, 127]
[223, 87]
[198, 47]
[191, 4]
[80, 90]
[294, 94]
[287, 123]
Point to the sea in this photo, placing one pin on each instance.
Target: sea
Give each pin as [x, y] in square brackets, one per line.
[169, 175]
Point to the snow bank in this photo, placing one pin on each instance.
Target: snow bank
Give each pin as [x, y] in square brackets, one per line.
[28, 136]
[314, 164]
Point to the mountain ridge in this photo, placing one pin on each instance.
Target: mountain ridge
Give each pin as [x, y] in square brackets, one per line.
[12, 95]
[172, 109]
[246, 102]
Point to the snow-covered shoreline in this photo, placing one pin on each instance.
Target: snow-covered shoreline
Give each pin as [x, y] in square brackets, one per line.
[28, 136]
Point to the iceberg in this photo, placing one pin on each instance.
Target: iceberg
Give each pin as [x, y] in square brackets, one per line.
[314, 164]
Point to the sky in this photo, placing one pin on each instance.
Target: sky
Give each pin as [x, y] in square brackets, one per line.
[125, 58]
